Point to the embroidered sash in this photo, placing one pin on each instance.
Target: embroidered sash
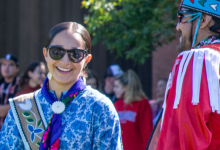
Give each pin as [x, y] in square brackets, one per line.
[29, 118]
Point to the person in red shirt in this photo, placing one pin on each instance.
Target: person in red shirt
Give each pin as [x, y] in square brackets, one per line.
[32, 78]
[134, 111]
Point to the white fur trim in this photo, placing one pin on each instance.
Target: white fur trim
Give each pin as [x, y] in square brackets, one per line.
[212, 70]
[197, 73]
[169, 83]
[181, 73]
[212, 62]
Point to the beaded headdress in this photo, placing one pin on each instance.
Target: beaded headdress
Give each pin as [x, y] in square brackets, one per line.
[210, 7]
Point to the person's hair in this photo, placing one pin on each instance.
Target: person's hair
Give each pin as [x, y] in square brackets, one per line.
[216, 27]
[74, 28]
[134, 91]
[91, 75]
[25, 78]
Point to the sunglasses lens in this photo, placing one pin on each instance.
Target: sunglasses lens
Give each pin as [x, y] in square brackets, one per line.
[180, 17]
[56, 53]
[76, 55]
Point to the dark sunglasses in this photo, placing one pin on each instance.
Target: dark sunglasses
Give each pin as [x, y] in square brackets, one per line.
[75, 55]
[181, 16]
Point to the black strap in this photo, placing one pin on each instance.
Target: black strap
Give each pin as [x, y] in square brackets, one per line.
[155, 126]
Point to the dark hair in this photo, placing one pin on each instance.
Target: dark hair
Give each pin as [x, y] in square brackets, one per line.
[75, 28]
[216, 27]
[25, 78]
[91, 74]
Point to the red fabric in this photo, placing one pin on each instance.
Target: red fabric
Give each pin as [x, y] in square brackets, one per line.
[135, 133]
[190, 127]
[28, 89]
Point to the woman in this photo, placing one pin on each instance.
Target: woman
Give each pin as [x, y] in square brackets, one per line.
[92, 80]
[156, 104]
[32, 79]
[71, 115]
[134, 111]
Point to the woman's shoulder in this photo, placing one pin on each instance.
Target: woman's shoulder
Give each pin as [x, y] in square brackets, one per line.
[97, 99]
[119, 102]
[94, 94]
[145, 101]
[23, 91]
[142, 102]
[27, 90]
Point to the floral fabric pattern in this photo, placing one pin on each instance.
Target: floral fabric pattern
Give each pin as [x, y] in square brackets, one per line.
[89, 122]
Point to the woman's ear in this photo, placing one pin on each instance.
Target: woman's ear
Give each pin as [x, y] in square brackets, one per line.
[88, 59]
[45, 53]
[205, 21]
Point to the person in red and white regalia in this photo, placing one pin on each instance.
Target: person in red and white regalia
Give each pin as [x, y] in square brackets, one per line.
[191, 111]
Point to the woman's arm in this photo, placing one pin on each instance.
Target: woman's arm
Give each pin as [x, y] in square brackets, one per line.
[9, 135]
[106, 128]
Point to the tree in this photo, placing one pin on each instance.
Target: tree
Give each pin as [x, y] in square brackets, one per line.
[132, 28]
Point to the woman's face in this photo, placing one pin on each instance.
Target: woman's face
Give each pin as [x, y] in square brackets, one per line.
[92, 82]
[119, 89]
[37, 76]
[160, 89]
[65, 71]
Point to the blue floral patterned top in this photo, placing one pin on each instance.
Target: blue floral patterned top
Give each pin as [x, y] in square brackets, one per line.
[89, 122]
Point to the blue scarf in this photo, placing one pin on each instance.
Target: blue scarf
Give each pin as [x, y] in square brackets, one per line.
[51, 136]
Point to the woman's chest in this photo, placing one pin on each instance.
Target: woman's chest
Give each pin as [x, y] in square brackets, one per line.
[77, 125]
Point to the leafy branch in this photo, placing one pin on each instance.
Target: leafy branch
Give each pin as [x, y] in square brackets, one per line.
[132, 28]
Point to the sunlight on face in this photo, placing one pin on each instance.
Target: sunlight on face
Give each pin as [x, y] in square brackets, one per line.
[186, 31]
[119, 89]
[37, 76]
[8, 69]
[66, 40]
[160, 89]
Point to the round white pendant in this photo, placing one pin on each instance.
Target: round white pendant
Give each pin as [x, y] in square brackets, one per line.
[58, 107]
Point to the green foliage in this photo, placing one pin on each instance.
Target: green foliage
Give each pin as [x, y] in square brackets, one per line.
[133, 28]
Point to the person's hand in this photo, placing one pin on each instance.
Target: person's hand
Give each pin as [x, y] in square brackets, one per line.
[158, 100]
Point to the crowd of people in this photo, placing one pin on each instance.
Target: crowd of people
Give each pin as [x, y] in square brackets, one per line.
[61, 111]
[11, 85]
[124, 89]
[137, 113]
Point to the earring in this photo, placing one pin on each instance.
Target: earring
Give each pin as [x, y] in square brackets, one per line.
[49, 76]
[84, 80]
